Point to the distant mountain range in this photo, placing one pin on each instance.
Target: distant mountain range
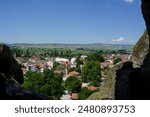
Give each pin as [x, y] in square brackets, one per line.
[75, 46]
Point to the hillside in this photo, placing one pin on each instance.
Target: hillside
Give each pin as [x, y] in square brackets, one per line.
[91, 46]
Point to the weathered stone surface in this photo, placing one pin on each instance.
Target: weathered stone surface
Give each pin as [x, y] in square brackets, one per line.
[140, 50]
[11, 90]
[11, 77]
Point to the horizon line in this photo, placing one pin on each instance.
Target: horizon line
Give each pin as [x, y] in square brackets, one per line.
[26, 43]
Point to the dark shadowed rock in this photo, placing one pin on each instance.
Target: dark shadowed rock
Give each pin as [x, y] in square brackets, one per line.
[11, 90]
[11, 76]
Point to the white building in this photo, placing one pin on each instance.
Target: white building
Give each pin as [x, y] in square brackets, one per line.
[50, 64]
[73, 62]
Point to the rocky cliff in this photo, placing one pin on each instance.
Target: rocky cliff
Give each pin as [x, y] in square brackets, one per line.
[140, 50]
[11, 77]
[131, 80]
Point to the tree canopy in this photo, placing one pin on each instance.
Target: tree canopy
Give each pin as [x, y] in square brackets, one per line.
[48, 83]
[91, 72]
[73, 84]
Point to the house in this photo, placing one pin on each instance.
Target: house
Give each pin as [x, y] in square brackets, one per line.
[40, 67]
[74, 96]
[19, 59]
[73, 62]
[62, 60]
[92, 88]
[105, 64]
[85, 84]
[83, 57]
[50, 64]
[74, 73]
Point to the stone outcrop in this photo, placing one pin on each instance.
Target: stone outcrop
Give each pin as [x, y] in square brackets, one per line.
[11, 90]
[11, 77]
[140, 50]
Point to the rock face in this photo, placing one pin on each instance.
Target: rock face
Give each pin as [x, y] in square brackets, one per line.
[140, 50]
[11, 77]
[131, 80]
[11, 90]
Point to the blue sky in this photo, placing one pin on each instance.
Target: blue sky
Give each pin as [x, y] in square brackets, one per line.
[71, 21]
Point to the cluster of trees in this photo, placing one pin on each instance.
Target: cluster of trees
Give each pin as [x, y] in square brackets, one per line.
[73, 84]
[91, 69]
[44, 52]
[91, 73]
[97, 56]
[48, 83]
[58, 53]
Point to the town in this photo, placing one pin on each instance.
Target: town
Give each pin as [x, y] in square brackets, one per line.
[66, 74]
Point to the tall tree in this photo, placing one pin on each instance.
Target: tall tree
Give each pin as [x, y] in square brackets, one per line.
[91, 72]
[73, 84]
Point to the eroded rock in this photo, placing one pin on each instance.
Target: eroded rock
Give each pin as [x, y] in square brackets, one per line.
[11, 76]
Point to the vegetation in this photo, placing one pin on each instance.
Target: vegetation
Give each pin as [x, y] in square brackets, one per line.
[61, 52]
[91, 70]
[107, 89]
[80, 47]
[73, 84]
[85, 93]
[48, 83]
[117, 60]
[95, 57]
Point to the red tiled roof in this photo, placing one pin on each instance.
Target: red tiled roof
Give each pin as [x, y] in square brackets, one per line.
[73, 73]
[91, 88]
[74, 96]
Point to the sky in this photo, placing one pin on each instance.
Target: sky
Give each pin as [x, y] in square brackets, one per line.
[71, 21]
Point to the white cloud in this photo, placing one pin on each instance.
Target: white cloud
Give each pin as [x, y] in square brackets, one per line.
[121, 39]
[129, 1]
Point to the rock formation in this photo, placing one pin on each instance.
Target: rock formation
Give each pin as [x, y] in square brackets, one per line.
[11, 77]
[140, 50]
